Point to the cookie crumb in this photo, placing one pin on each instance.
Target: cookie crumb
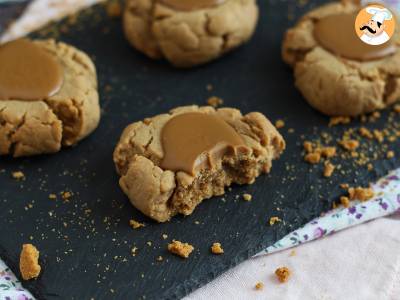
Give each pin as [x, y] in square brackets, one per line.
[308, 147]
[339, 120]
[329, 169]
[345, 201]
[66, 195]
[159, 258]
[378, 135]
[350, 145]
[259, 286]
[390, 154]
[283, 274]
[397, 108]
[135, 224]
[328, 152]
[362, 194]
[274, 220]
[279, 124]
[247, 197]
[292, 253]
[313, 157]
[209, 87]
[364, 132]
[18, 175]
[215, 101]
[29, 262]
[180, 249]
[165, 236]
[217, 249]
[52, 196]
[134, 251]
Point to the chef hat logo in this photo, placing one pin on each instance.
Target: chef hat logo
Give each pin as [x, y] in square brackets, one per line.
[379, 14]
[375, 24]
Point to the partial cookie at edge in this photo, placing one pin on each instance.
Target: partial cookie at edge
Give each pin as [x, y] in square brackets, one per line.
[188, 38]
[337, 86]
[37, 127]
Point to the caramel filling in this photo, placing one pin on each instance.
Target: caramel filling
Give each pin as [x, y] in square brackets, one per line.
[188, 5]
[197, 141]
[28, 72]
[336, 34]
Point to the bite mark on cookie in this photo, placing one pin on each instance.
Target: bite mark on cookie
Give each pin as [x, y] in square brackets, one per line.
[162, 194]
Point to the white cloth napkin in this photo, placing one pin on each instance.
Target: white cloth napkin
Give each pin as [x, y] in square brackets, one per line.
[361, 263]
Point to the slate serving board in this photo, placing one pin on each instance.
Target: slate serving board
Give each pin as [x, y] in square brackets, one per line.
[9, 11]
[86, 242]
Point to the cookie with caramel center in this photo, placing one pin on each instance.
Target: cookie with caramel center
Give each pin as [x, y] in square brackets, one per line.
[171, 162]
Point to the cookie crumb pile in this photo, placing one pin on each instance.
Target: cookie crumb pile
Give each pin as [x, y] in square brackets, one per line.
[360, 193]
[181, 249]
[29, 262]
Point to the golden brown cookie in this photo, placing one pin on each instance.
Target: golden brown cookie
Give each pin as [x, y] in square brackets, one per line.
[30, 127]
[335, 84]
[188, 37]
[161, 193]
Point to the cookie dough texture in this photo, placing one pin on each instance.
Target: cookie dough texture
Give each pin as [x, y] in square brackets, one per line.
[43, 126]
[161, 194]
[337, 86]
[188, 38]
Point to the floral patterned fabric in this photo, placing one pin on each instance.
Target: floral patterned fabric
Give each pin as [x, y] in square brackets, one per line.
[10, 287]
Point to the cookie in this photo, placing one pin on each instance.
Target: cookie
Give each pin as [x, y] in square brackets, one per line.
[336, 72]
[48, 99]
[189, 33]
[171, 162]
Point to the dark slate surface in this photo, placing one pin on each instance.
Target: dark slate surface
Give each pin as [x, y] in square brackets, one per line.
[9, 11]
[86, 242]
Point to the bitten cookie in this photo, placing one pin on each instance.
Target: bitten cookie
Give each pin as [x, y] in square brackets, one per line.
[189, 33]
[48, 97]
[171, 162]
[335, 71]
